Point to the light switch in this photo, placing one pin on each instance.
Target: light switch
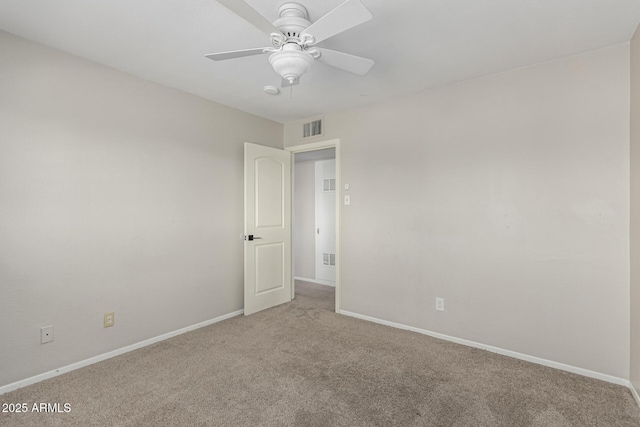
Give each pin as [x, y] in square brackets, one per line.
[346, 187]
[347, 200]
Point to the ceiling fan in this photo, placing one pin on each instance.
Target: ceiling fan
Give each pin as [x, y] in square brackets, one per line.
[294, 38]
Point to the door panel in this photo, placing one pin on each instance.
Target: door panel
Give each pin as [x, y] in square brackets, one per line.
[269, 259]
[269, 176]
[267, 203]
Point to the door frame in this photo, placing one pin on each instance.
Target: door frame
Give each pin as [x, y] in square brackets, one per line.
[314, 146]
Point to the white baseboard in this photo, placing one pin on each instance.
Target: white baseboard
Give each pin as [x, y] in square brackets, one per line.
[580, 371]
[634, 393]
[526, 357]
[317, 282]
[41, 377]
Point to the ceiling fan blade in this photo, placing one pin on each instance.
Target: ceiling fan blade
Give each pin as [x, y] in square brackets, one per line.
[286, 83]
[236, 54]
[351, 63]
[348, 15]
[249, 14]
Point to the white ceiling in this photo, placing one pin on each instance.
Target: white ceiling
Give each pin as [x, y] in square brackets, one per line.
[417, 44]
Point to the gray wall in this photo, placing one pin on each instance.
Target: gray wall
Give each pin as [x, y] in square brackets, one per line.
[116, 194]
[635, 211]
[305, 220]
[509, 197]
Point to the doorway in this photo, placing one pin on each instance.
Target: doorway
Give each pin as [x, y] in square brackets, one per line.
[316, 215]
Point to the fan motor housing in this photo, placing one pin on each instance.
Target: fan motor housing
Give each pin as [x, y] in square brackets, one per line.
[293, 19]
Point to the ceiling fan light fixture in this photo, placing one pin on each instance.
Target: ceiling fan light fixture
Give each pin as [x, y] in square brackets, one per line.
[291, 62]
[293, 38]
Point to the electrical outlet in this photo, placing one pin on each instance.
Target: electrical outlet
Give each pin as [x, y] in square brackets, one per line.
[109, 319]
[46, 334]
[440, 304]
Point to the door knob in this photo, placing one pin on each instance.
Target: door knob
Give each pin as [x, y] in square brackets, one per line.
[252, 237]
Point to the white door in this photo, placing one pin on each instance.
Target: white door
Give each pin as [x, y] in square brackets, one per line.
[325, 190]
[267, 227]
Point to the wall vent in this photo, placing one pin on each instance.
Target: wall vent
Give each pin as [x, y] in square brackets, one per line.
[329, 259]
[329, 185]
[312, 128]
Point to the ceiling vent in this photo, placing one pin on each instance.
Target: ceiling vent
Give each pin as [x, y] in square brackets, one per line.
[312, 128]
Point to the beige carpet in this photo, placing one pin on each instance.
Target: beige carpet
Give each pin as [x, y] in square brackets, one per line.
[300, 364]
